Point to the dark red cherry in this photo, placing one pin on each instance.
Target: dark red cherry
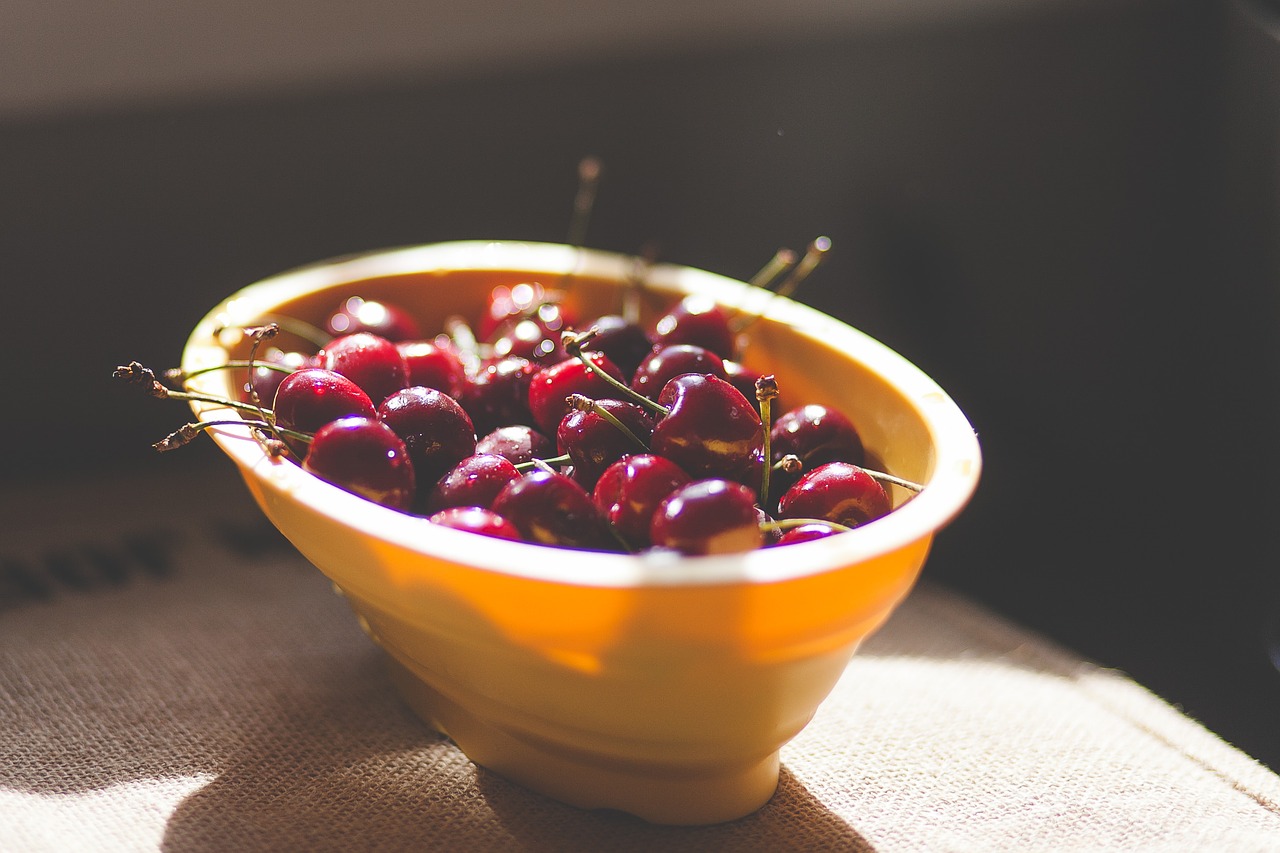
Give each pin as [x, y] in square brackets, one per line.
[434, 364]
[435, 428]
[816, 434]
[698, 320]
[710, 429]
[517, 443]
[367, 315]
[475, 481]
[266, 380]
[806, 533]
[310, 398]
[627, 344]
[665, 364]
[552, 509]
[744, 379]
[498, 394]
[370, 361]
[363, 456]
[551, 387]
[630, 490]
[535, 336]
[474, 519]
[593, 442]
[507, 304]
[837, 491]
[708, 517]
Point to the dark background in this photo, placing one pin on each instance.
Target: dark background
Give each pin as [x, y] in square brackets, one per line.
[1067, 218]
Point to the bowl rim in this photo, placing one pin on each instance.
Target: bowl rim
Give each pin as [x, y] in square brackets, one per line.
[952, 483]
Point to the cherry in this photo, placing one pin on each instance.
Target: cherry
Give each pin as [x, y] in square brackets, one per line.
[434, 364]
[516, 443]
[266, 380]
[475, 481]
[507, 304]
[667, 363]
[596, 433]
[837, 491]
[806, 533]
[551, 509]
[474, 519]
[435, 428]
[380, 318]
[535, 336]
[364, 456]
[698, 320]
[710, 429]
[630, 490]
[551, 386]
[817, 434]
[743, 378]
[370, 361]
[708, 517]
[627, 344]
[498, 394]
[310, 398]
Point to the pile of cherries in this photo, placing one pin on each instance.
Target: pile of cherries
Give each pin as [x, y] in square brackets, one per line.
[622, 437]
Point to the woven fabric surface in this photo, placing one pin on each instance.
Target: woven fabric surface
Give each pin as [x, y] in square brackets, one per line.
[173, 676]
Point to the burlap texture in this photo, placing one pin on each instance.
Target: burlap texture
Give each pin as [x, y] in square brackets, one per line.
[173, 676]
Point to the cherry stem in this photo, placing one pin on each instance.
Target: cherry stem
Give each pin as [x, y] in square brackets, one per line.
[812, 257]
[783, 524]
[897, 481]
[309, 333]
[636, 282]
[584, 201]
[573, 346]
[544, 464]
[181, 376]
[187, 433]
[766, 392]
[583, 403]
[778, 264]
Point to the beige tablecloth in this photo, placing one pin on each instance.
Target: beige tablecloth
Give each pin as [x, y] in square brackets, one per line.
[173, 676]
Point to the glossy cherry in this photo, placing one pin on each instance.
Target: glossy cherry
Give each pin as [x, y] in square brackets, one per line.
[535, 336]
[506, 305]
[435, 428]
[475, 481]
[475, 519]
[551, 509]
[308, 399]
[551, 387]
[594, 442]
[806, 533]
[818, 435]
[370, 361]
[266, 380]
[836, 491]
[665, 364]
[698, 320]
[363, 456]
[708, 517]
[516, 443]
[498, 394]
[710, 429]
[367, 315]
[626, 343]
[630, 491]
[434, 364]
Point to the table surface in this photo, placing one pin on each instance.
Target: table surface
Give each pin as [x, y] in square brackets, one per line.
[173, 675]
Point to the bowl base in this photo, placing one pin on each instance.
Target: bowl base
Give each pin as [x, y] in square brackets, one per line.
[660, 795]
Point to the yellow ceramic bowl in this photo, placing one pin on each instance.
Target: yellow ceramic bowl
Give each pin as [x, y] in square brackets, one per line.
[659, 686]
